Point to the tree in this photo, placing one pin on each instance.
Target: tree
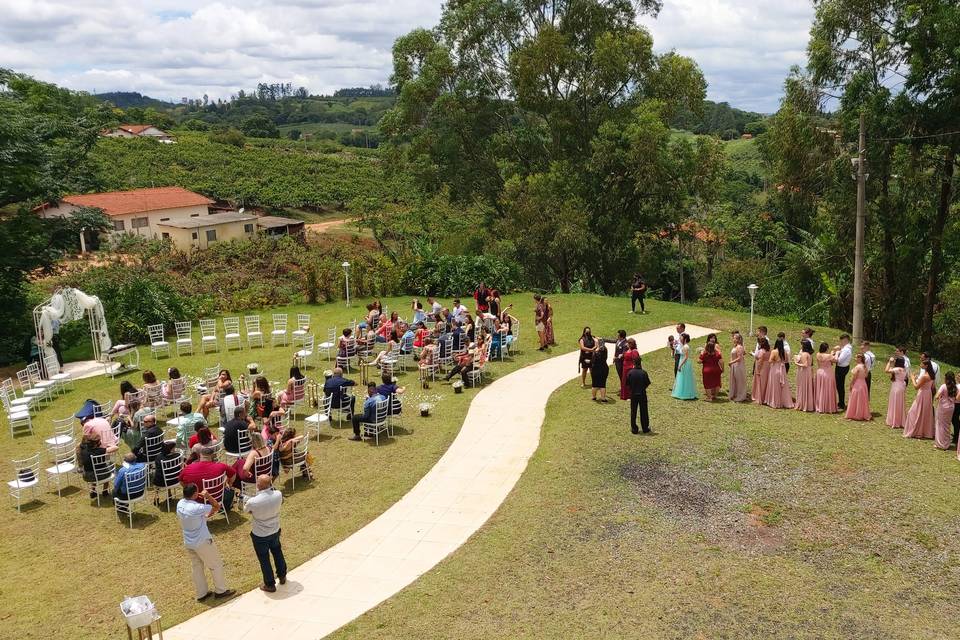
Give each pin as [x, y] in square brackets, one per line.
[228, 135]
[260, 126]
[294, 134]
[506, 100]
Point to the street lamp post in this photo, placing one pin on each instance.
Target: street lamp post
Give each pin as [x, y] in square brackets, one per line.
[753, 294]
[346, 275]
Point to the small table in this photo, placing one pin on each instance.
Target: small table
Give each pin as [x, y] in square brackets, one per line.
[125, 356]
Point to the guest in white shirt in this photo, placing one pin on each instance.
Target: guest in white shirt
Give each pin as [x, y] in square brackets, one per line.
[265, 509]
[869, 358]
[901, 352]
[937, 378]
[844, 354]
[193, 511]
[436, 309]
[458, 313]
[675, 346]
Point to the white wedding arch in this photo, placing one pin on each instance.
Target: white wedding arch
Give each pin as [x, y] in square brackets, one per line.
[67, 305]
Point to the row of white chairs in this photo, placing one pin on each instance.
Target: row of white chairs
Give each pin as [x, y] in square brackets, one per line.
[210, 340]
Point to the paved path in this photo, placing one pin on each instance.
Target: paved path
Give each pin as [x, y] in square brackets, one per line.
[439, 514]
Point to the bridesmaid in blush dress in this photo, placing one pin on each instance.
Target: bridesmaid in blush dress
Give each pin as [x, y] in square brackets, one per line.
[896, 411]
[826, 385]
[778, 394]
[760, 371]
[858, 408]
[945, 398]
[738, 370]
[806, 400]
[919, 423]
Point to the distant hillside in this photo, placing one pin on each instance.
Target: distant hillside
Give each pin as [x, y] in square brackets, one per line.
[127, 99]
[720, 119]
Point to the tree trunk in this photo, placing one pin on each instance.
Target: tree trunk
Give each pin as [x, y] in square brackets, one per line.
[888, 322]
[936, 252]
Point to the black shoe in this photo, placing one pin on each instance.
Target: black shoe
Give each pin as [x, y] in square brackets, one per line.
[205, 596]
[93, 495]
[647, 432]
[634, 431]
[283, 580]
[267, 588]
[355, 438]
[225, 594]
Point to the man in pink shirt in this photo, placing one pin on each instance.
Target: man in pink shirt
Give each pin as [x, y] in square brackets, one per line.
[206, 468]
[100, 426]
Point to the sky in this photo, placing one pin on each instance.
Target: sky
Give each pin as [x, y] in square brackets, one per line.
[186, 48]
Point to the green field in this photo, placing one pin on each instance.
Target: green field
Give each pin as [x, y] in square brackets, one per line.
[315, 127]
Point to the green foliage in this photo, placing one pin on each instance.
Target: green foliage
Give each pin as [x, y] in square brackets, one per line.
[228, 136]
[452, 275]
[259, 126]
[194, 125]
[717, 119]
[293, 134]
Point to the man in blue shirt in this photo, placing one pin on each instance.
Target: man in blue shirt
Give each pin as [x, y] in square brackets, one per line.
[406, 340]
[193, 511]
[336, 386]
[389, 390]
[369, 410]
[129, 466]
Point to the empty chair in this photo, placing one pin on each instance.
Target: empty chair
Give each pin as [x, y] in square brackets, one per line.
[26, 478]
[254, 334]
[28, 391]
[405, 352]
[312, 423]
[279, 333]
[134, 484]
[231, 333]
[63, 432]
[304, 356]
[18, 416]
[395, 412]
[303, 329]
[64, 465]
[343, 408]
[475, 372]
[330, 344]
[103, 471]
[52, 367]
[215, 487]
[158, 341]
[379, 423]
[208, 335]
[37, 381]
[184, 337]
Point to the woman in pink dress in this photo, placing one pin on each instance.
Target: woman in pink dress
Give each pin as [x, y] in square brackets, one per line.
[806, 399]
[858, 405]
[738, 370]
[826, 385]
[760, 371]
[945, 399]
[778, 394]
[919, 423]
[896, 411]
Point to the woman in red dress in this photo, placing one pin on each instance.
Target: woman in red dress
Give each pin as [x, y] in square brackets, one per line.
[712, 363]
[630, 358]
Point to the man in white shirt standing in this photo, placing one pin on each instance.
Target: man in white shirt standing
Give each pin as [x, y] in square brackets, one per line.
[265, 509]
[193, 511]
[458, 312]
[844, 355]
[675, 345]
[869, 358]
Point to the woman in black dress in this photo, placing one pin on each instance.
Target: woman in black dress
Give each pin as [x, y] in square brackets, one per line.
[599, 370]
[587, 347]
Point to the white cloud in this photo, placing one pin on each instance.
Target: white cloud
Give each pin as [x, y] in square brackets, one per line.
[174, 48]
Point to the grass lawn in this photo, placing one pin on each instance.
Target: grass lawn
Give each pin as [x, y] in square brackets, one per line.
[87, 560]
[732, 521]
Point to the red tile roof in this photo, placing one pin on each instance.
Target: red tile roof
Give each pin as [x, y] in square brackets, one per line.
[118, 203]
[135, 129]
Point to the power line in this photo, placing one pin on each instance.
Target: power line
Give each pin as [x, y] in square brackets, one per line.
[923, 137]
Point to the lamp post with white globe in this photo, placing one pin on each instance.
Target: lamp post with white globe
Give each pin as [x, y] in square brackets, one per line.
[753, 293]
[346, 275]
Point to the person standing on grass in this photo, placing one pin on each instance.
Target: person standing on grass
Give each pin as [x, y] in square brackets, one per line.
[540, 321]
[587, 347]
[919, 422]
[738, 371]
[946, 399]
[619, 349]
[896, 409]
[193, 512]
[265, 534]
[630, 357]
[638, 291]
[712, 363]
[637, 380]
[673, 343]
[684, 388]
[844, 353]
[599, 370]
[548, 321]
[806, 394]
[859, 408]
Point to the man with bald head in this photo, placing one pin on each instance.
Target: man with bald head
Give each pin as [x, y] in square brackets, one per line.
[265, 509]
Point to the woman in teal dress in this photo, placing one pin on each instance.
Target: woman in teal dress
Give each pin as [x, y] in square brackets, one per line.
[684, 387]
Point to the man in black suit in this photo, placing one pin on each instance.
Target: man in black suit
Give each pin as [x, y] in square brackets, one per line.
[637, 382]
[336, 386]
[618, 350]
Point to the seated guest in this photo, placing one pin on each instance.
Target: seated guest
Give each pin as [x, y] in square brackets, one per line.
[246, 466]
[420, 334]
[371, 318]
[336, 386]
[458, 311]
[167, 388]
[418, 314]
[103, 431]
[407, 339]
[151, 388]
[261, 398]
[459, 339]
[150, 430]
[283, 451]
[369, 410]
[210, 398]
[88, 448]
[130, 465]
[436, 309]
[240, 422]
[168, 451]
[271, 431]
[120, 408]
[346, 345]
[386, 353]
[291, 394]
[203, 437]
[131, 427]
[229, 400]
[388, 389]
[188, 422]
[427, 358]
[206, 468]
[473, 359]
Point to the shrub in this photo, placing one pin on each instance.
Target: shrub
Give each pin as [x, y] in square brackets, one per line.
[720, 302]
[452, 275]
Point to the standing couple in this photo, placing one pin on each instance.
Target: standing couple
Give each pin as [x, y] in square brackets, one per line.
[633, 380]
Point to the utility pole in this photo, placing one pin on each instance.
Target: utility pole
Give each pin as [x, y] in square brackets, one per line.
[858, 248]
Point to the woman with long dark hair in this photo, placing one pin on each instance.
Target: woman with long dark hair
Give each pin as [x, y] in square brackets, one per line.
[630, 357]
[858, 407]
[946, 397]
[760, 371]
[587, 347]
[778, 394]
[896, 410]
[738, 370]
[826, 385]
[684, 388]
[712, 363]
[599, 371]
[806, 399]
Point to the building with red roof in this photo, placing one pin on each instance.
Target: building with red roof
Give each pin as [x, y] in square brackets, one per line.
[138, 131]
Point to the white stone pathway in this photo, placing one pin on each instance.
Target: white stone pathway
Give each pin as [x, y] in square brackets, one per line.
[465, 487]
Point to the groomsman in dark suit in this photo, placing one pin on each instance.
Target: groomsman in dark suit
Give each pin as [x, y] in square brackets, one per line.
[637, 383]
